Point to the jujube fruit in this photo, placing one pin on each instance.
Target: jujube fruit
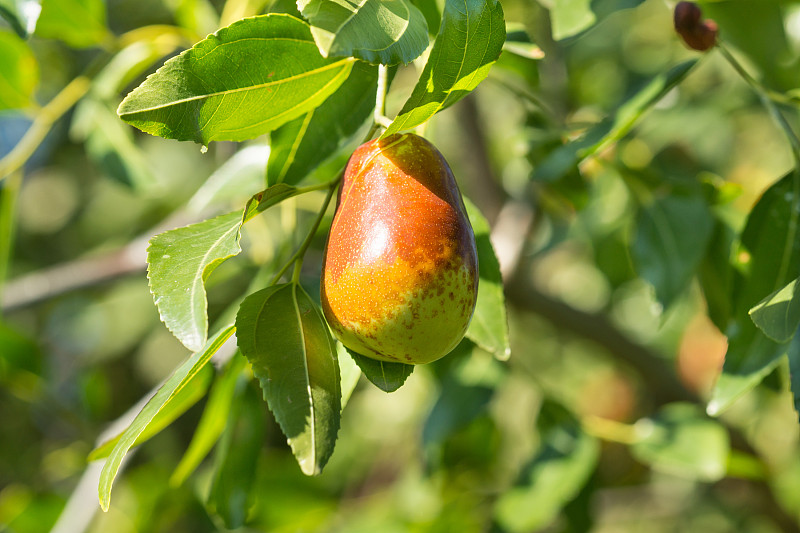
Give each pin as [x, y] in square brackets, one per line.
[400, 275]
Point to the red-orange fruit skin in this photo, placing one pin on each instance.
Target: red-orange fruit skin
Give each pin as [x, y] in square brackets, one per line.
[400, 275]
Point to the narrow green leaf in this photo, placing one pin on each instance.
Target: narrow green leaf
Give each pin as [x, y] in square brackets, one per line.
[770, 240]
[213, 421]
[470, 40]
[385, 375]
[181, 401]
[283, 335]
[682, 441]
[237, 456]
[519, 42]
[22, 15]
[489, 326]
[349, 371]
[179, 262]
[670, 241]
[79, 23]
[270, 196]
[778, 315]
[245, 80]
[299, 146]
[110, 145]
[566, 459]
[611, 130]
[19, 72]
[377, 31]
[182, 375]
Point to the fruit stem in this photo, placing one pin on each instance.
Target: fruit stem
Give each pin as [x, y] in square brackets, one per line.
[379, 116]
[764, 95]
[297, 257]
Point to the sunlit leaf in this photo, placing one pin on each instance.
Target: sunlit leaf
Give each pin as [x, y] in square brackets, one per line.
[182, 400]
[670, 241]
[236, 457]
[566, 459]
[245, 80]
[283, 335]
[349, 372]
[182, 375]
[778, 315]
[771, 247]
[385, 375]
[19, 72]
[179, 262]
[79, 23]
[22, 15]
[569, 17]
[470, 40]
[377, 31]
[489, 325]
[682, 441]
[300, 145]
[213, 421]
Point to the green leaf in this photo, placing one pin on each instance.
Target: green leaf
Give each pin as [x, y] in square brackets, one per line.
[770, 240]
[182, 375]
[519, 42]
[778, 315]
[470, 40]
[179, 262]
[283, 335]
[682, 441]
[19, 72]
[430, 10]
[385, 375]
[181, 401]
[237, 456]
[570, 17]
[716, 275]
[552, 479]
[489, 326]
[794, 370]
[349, 371]
[377, 31]
[243, 172]
[213, 421]
[611, 130]
[245, 80]
[465, 394]
[299, 146]
[22, 15]
[79, 23]
[670, 241]
[110, 144]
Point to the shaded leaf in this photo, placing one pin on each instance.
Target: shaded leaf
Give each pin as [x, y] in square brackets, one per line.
[245, 80]
[182, 375]
[794, 371]
[385, 375]
[79, 23]
[770, 241]
[349, 372]
[299, 146]
[609, 131]
[778, 315]
[489, 325]
[377, 31]
[716, 275]
[181, 401]
[553, 478]
[570, 17]
[213, 421]
[670, 241]
[179, 262]
[283, 335]
[470, 40]
[237, 455]
[682, 441]
[19, 72]
[430, 10]
[22, 15]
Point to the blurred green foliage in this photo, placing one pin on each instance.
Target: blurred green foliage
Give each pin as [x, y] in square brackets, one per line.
[619, 292]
